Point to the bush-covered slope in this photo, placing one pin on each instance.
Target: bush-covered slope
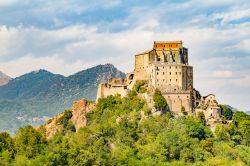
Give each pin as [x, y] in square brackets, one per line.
[33, 97]
[119, 133]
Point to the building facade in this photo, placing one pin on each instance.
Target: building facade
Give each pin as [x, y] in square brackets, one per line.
[165, 67]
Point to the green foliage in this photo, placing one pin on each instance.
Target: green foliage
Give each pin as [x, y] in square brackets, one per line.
[201, 118]
[29, 142]
[116, 134]
[64, 120]
[226, 112]
[160, 102]
[139, 87]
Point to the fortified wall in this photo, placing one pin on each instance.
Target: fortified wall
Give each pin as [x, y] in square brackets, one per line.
[165, 67]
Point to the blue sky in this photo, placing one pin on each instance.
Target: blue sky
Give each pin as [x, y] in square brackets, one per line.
[66, 36]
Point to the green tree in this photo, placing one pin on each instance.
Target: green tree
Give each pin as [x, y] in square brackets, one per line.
[29, 142]
[226, 112]
[160, 102]
[201, 118]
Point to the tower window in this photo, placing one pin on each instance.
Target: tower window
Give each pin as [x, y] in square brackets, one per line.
[163, 73]
[176, 73]
[170, 73]
[176, 80]
[157, 73]
[180, 73]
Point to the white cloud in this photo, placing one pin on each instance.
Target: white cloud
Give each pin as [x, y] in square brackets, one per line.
[223, 74]
[232, 15]
[4, 3]
[71, 48]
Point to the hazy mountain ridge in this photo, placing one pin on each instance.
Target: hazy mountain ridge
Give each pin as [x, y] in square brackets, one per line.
[33, 97]
[4, 79]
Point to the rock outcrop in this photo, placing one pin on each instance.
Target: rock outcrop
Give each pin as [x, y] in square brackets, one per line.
[78, 118]
[79, 110]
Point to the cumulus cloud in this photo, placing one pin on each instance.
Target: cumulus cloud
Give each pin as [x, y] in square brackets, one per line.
[65, 37]
[5, 3]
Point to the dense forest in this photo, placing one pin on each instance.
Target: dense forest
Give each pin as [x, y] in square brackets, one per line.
[121, 131]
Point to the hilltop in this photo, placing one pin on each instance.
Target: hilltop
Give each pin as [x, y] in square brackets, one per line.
[125, 131]
[34, 97]
[4, 79]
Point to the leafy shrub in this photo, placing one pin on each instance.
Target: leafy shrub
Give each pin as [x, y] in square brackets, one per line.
[160, 102]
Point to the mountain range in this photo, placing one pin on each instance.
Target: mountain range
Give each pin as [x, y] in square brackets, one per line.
[34, 97]
[4, 79]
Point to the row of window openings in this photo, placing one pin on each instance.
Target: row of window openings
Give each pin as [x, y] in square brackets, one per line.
[169, 73]
[164, 80]
[158, 67]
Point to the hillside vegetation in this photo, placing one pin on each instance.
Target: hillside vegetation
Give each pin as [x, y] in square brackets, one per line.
[122, 131]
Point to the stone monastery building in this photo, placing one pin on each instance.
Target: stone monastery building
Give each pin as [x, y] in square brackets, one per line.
[165, 67]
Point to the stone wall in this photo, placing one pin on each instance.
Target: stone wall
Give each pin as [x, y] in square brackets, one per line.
[162, 75]
[105, 90]
[177, 101]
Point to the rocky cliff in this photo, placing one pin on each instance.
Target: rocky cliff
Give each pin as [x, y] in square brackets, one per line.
[77, 117]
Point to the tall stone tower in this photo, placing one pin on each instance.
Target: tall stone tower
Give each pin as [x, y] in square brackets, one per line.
[166, 67]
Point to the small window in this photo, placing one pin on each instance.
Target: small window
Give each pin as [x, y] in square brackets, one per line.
[180, 73]
[170, 80]
[163, 73]
[170, 73]
[157, 73]
[176, 73]
[176, 80]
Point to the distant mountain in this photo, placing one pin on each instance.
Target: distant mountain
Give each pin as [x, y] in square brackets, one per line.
[248, 112]
[4, 79]
[232, 108]
[36, 96]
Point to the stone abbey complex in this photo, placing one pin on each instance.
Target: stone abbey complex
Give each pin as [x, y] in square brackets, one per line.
[165, 67]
